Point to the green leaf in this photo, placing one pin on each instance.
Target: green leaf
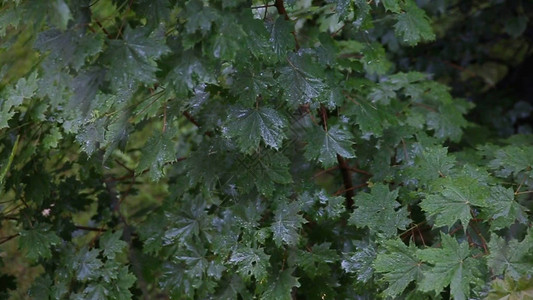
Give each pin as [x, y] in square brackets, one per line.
[150, 232]
[189, 71]
[95, 292]
[154, 11]
[249, 85]
[280, 287]
[250, 126]
[86, 264]
[512, 258]
[326, 145]
[199, 17]
[510, 289]
[281, 37]
[250, 262]
[392, 5]
[14, 96]
[413, 25]
[315, 261]
[227, 42]
[271, 169]
[360, 262]
[132, 59]
[372, 119]
[453, 265]
[454, 199]
[504, 209]
[512, 160]
[448, 121]
[375, 60]
[60, 14]
[516, 26]
[52, 139]
[156, 153]
[399, 266]
[112, 244]
[379, 211]
[286, 224]
[120, 287]
[431, 163]
[301, 79]
[38, 241]
[186, 223]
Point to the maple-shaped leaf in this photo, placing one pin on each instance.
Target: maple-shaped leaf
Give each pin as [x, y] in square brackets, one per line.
[14, 95]
[431, 163]
[194, 258]
[399, 266]
[453, 264]
[69, 47]
[301, 79]
[334, 205]
[341, 6]
[511, 289]
[156, 153]
[360, 262]
[174, 279]
[375, 60]
[453, 200]
[228, 42]
[372, 119]
[325, 145]
[251, 262]
[269, 170]
[286, 224]
[189, 71]
[37, 242]
[250, 84]
[155, 11]
[112, 244]
[448, 121]
[503, 208]
[383, 93]
[413, 25]
[281, 37]
[512, 257]
[187, 222]
[379, 211]
[392, 5]
[250, 126]
[280, 286]
[315, 261]
[199, 16]
[132, 59]
[512, 160]
[150, 232]
[95, 291]
[120, 287]
[86, 264]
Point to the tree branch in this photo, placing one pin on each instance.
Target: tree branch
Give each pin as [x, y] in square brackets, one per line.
[347, 178]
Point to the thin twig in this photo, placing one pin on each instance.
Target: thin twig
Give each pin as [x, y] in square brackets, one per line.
[8, 238]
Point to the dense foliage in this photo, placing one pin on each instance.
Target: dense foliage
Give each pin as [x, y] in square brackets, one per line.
[239, 149]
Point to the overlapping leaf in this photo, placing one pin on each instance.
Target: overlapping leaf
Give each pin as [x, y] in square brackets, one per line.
[379, 211]
[326, 145]
[453, 200]
[452, 265]
[513, 258]
[399, 266]
[250, 126]
[286, 224]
